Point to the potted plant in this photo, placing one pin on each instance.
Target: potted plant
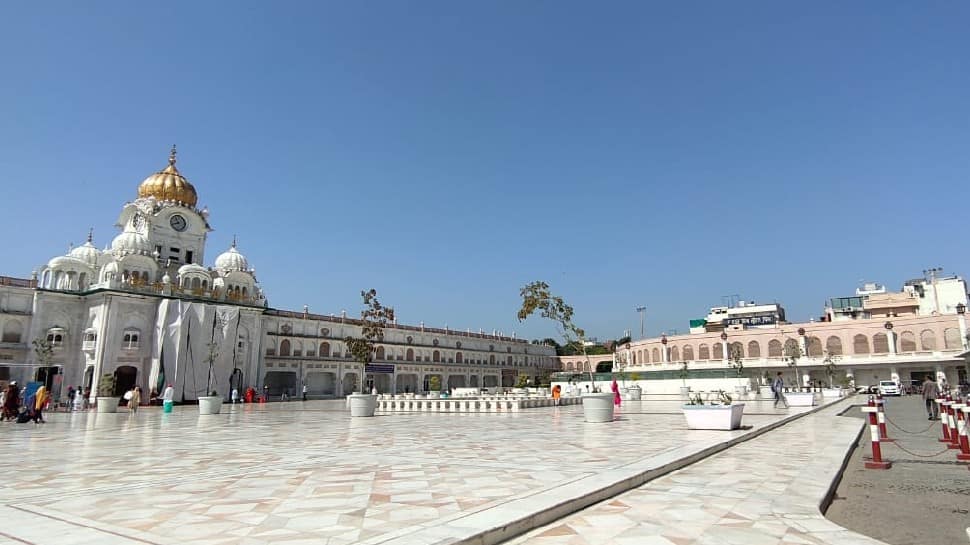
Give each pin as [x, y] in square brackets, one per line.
[737, 363]
[373, 319]
[434, 387]
[829, 365]
[536, 297]
[212, 402]
[683, 373]
[797, 398]
[717, 414]
[107, 400]
[634, 392]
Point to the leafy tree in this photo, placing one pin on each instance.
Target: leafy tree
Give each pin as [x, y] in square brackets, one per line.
[374, 318]
[829, 365]
[737, 361]
[536, 297]
[792, 353]
[683, 372]
[523, 381]
[44, 351]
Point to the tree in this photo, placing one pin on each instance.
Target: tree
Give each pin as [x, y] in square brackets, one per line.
[374, 318]
[536, 297]
[829, 364]
[791, 354]
[683, 372]
[44, 351]
[737, 361]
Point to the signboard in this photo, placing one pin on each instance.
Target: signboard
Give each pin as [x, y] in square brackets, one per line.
[767, 319]
[379, 368]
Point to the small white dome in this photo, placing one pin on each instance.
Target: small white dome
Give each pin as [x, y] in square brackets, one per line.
[87, 253]
[232, 260]
[66, 262]
[192, 268]
[131, 242]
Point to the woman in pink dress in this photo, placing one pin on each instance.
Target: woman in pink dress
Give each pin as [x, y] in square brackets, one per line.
[616, 393]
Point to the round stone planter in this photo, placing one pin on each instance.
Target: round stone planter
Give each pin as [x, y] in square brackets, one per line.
[633, 393]
[210, 404]
[107, 404]
[598, 407]
[362, 404]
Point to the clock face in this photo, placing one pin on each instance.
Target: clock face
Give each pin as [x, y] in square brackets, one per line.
[178, 223]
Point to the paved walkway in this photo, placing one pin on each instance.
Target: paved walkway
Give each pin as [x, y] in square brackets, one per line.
[766, 491]
[295, 473]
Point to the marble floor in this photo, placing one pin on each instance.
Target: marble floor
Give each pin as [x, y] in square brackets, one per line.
[305, 472]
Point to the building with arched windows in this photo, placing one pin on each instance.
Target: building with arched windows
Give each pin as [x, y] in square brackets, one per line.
[146, 311]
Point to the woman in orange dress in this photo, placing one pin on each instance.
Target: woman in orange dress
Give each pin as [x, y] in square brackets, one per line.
[556, 391]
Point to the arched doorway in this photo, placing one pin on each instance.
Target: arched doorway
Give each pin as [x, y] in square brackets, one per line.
[349, 383]
[236, 381]
[48, 376]
[126, 377]
[88, 378]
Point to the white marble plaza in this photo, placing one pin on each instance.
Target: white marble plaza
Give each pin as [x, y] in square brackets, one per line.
[294, 473]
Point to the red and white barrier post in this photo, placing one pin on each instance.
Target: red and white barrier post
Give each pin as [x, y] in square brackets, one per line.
[881, 416]
[944, 419]
[960, 409]
[954, 434]
[877, 461]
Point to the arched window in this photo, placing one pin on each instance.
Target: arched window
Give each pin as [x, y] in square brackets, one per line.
[129, 341]
[12, 331]
[285, 347]
[833, 346]
[814, 346]
[655, 356]
[791, 347]
[674, 354]
[508, 360]
[409, 355]
[459, 358]
[716, 351]
[55, 336]
[271, 348]
[951, 339]
[324, 350]
[736, 349]
[703, 352]
[491, 359]
[436, 356]
[907, 342]
[298, 348]
[380, 353]
[860, 344]
[927, 340]
[754, 349]
[774, 348]
[638, 356]
[880, 343]
[688, 353]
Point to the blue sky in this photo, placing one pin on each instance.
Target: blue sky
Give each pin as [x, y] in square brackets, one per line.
[447, 153]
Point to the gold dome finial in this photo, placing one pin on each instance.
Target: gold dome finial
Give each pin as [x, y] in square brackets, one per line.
[169, 185]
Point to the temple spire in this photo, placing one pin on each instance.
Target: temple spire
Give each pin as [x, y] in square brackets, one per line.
[171, 156]
[91, 234]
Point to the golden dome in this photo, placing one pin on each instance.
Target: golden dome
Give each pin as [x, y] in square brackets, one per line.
[169, 185]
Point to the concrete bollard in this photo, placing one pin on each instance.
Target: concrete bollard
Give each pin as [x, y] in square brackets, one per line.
[881, 418]
[877, 461]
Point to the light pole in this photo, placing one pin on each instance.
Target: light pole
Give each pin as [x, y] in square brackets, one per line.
[641, 310]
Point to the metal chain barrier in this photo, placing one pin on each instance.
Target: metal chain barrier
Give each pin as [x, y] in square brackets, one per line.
[911, 453]
[898, 427]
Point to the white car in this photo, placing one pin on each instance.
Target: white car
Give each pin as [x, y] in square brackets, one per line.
[888, 388]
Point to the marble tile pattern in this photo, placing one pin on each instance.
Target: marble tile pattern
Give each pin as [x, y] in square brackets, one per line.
[305, 472]
[766, 491]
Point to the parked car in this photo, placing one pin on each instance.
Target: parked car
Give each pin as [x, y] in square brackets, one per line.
[889, 388]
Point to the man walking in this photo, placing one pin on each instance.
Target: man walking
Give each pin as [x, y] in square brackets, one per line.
[930, 393]
[778, 387]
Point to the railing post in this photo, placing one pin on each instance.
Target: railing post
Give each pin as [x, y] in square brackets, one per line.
[877, 461]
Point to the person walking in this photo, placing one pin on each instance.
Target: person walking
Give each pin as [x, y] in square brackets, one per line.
[778, 388]
[235, 396]
[40, 399]
[556, 392]
[11, 402]
[168, 399]
[930, 392]
[304, 392]
[617, 400]
[134, 400]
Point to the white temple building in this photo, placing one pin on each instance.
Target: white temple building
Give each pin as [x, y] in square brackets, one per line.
[147, 311]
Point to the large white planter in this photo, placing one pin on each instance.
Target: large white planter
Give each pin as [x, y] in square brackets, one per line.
[741, 391]
[434, 394]
[107, 404]
[633, 393]
[800, 399]
[714, 417]
[362, 404]
[685, 392]
[598, 407]
[210, 404]
[831, 392]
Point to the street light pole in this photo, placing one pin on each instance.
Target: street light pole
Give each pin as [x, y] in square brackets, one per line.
[641, 309]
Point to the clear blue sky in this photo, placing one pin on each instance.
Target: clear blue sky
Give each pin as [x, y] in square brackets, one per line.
[447, 153]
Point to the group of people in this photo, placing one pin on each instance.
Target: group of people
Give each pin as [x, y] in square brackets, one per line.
[18, 406]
